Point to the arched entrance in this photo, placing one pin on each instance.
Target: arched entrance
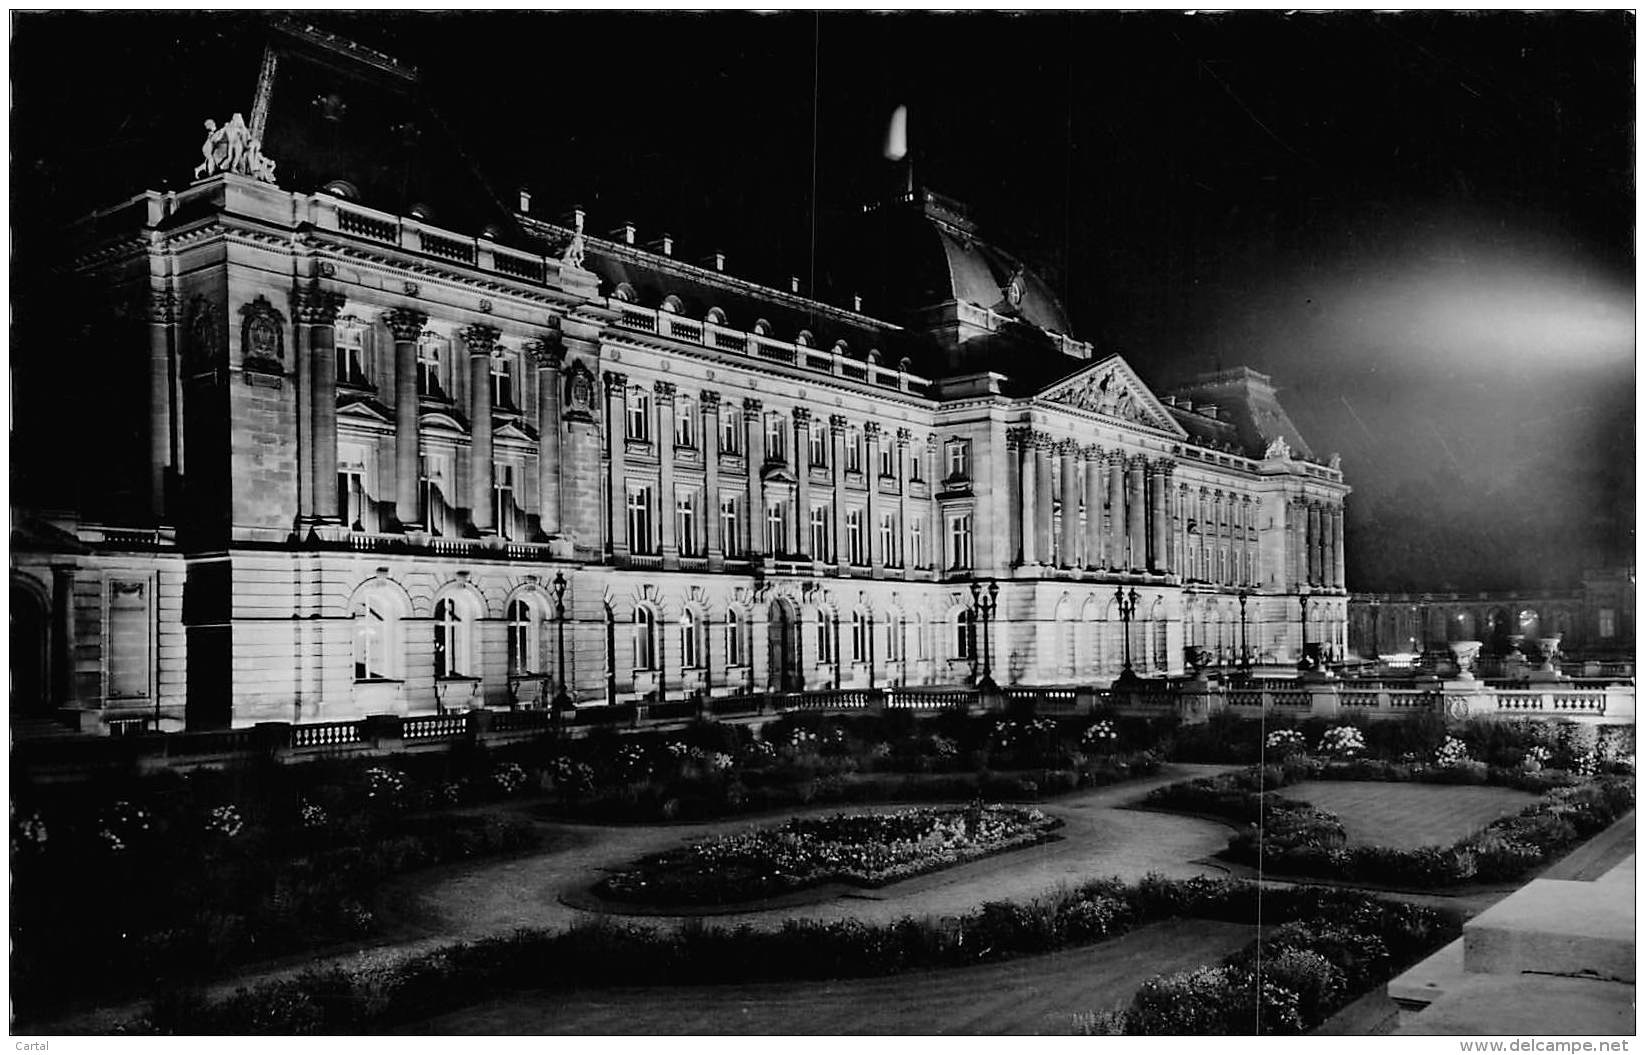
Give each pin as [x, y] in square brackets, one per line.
[30, 691]
[783, 641]
[1496, 631]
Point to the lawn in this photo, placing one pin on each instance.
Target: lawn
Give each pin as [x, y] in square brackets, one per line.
[1409, 815]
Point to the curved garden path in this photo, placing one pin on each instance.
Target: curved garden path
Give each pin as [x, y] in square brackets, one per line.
[1099, 838]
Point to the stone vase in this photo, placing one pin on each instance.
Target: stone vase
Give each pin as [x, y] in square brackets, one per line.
[1550, 653]
[1465, 652]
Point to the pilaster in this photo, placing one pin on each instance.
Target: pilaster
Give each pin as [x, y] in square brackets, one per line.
[756, 485]
[711, 479]
[663, 392]
[317, 310]
[616, 393]
[481, 341]
[802, 484]
[548, 355]
[406, 326]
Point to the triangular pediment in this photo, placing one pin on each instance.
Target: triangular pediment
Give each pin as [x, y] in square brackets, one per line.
[514, 430]
[363, 408]
[1111, 388]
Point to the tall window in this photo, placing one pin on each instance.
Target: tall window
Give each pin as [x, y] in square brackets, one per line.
[1607, 622]
[351, 353]
[645, 639]
[959, 540]
[776, 438]
[920, 650]
[685, 422]
[856, 551]
[729, 536]
[373, 627]
[431, 368]
[502, 380]
[962, 634]
[859, 638]
[731, 431]
[733, 638]
[522, 650]
[819, 444]
[639, 414]
[916, 463]
[434, 481]
[351, 495]
[689, 660]
[888, 538]
[853, 450]
[819, 532]
[685, 523]
[916, 542]
[959, 460]
[893, 639]
[825, 636]
[502, 494]
[639, 519]
[451, 650]
[776, 528]
[888, 457]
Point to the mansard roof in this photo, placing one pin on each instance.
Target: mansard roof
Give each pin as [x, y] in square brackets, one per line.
[1248, 400]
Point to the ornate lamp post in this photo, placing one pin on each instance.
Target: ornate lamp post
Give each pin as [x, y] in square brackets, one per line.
[562, 699]
[1128, 608]
[1244, 650]
[984, 603]
[1302, 599]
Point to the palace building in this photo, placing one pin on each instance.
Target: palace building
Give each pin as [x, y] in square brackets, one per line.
[352, 462]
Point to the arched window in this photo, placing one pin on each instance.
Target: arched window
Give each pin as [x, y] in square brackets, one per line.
[859, 638]
[733, 638]
[689, 657]
[645, 639]
[453, 638]
[962, 634]
[523, 655]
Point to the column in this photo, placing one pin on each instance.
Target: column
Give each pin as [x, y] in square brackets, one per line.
[1315, 553]
[318, 313]
[1339, 574]
[1093, 507]
[871, 512]
[1297, 550]
[616, 396]
[1042, 497]
[1136, 528]
[406, 324]
[63, 681]
[663, 392]
[162, 325]
[802, 482]
[901, 557]
[756, 486]
[480, 340]
[548, 355]
[836, 428]
[1116, 511]
[711, 478]
[1028, 501]
[1159, 511]
[1167, 506]
[1070, 503]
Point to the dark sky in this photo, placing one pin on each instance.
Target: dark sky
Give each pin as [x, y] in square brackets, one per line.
[1421, 225]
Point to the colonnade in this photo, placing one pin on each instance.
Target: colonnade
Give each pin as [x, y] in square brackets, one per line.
[1315, 544]
[1130, 531]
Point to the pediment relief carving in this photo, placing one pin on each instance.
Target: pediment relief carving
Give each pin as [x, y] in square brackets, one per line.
[1111, 389]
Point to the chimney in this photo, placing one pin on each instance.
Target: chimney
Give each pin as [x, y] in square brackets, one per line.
[794, 283]
[525, 199]
[714, 261]
[1211, 410]
[856, 303]
[663, 245]
[624, 234]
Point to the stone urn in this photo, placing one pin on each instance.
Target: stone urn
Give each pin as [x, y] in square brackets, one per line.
[1550, 653]
[1465, 652]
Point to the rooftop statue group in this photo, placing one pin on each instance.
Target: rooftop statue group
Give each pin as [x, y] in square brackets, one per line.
[232, 148]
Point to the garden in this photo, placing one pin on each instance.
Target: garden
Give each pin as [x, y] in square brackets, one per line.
[1584, 774]
[860, 849]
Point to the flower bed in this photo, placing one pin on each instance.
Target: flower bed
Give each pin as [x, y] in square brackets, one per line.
[1295, 838]
[863, 849]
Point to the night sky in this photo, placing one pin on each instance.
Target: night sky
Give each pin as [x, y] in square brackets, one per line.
[1420, 225]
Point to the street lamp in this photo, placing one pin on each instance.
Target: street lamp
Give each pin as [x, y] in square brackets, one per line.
[562, 699]
[1244, 650]
[1302, 599]
[984, 602]
[1128, 608]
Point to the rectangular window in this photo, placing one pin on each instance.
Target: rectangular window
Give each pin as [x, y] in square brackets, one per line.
[776, 439]
[776, 528]
[351, 496]
[430, 368]
[819, 532]
[916, 462]
[639, 414]
[733, 640]
[888, 458]
[1607, 622]
[959, 460]
[916, 543]
[853, 450]
[351, 354]
[959, 540]
[502, 381]
[825, 637]
[859, 638]
[639, 519]
[731, 431]
[855, 548]
[129, 639]
[502, 492]
[819, 444]
[685, 523]
[893, 639]
[688, 642]
[685, 423]
[729, 536]
[888, 539]
[433, 476]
